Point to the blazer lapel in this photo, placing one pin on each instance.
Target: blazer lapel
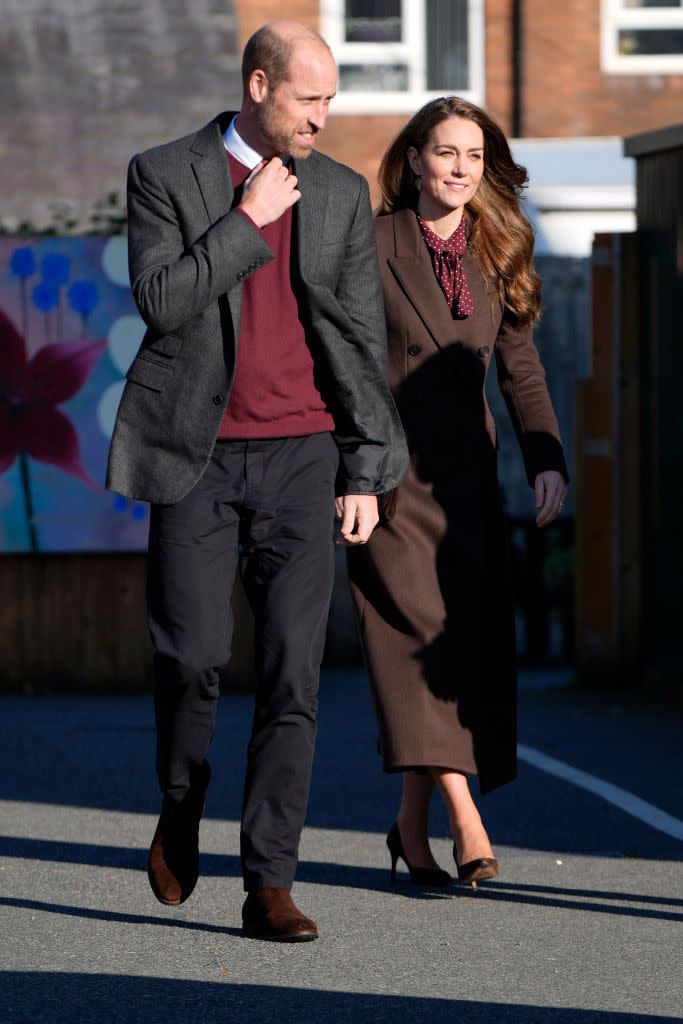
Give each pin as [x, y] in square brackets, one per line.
[212, 171]
[309, 213]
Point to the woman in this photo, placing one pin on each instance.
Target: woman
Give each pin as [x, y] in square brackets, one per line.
[431, 586]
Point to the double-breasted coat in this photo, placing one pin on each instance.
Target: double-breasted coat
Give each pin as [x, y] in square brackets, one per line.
[432, 587]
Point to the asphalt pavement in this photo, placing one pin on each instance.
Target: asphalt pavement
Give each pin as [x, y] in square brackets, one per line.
[583, 924]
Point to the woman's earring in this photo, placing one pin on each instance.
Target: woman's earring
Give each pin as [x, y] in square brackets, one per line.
[418, 182]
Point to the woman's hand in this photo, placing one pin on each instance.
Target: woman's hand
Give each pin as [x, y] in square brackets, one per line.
[550, 493]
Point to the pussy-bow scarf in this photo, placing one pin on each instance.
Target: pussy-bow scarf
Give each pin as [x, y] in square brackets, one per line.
[447, 261]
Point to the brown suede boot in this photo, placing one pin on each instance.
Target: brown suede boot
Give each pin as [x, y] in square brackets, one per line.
[272, 914]
[173, 862]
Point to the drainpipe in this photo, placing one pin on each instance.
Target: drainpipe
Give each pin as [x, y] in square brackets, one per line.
[517, 77]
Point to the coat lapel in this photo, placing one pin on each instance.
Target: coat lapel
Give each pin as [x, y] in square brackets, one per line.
[413, 270]
[309, 213]
[212, 171]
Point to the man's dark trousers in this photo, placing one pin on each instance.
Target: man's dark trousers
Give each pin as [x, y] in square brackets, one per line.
[266, 506]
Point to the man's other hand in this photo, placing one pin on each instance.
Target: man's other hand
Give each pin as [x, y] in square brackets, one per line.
[359, 517]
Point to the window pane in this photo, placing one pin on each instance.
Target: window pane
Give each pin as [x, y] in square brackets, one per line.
[447, 63]
[373, 77]
[373, 21]
[650, 41]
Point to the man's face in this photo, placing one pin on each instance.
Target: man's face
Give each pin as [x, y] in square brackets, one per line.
[292, 114]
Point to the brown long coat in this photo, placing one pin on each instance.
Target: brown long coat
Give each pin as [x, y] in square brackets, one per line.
[431, 586]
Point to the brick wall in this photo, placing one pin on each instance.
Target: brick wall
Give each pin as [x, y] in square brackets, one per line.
[565, 91]
[251, 15]
[360, 142]
[498, 61]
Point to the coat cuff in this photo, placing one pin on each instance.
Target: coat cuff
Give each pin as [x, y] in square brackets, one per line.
[542, 452]
[360, 469]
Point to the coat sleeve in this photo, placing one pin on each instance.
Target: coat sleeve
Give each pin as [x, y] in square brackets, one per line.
[522, 381]
[172, 282]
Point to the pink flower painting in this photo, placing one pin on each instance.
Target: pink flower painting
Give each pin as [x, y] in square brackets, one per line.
[31, 390]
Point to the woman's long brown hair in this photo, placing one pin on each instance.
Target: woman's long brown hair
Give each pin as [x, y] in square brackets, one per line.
[500, 234]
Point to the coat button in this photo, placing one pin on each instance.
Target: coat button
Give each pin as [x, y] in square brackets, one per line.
[483, 351]
[217, 399]
[414, 350]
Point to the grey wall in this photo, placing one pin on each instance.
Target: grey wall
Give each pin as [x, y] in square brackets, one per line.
[85, 84]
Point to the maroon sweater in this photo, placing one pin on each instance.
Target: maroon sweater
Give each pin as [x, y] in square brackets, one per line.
[273, 394]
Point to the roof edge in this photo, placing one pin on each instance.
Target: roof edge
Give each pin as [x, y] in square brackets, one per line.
[655, 141]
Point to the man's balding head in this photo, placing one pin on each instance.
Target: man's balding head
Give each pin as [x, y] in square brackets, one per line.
[289, 77]
[272, 47]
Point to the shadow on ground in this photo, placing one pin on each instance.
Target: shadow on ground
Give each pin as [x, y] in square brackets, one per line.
[72, 998]
[99, 752]
[339, 876]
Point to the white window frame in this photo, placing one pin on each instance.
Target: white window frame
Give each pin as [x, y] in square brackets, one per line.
[615, 16]
[410, 51]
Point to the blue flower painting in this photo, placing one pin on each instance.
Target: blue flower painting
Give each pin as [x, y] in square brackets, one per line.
[68, 331]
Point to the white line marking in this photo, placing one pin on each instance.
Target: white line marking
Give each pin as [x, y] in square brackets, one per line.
[633, 805]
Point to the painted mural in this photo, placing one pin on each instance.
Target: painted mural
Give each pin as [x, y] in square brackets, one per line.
[68, 332]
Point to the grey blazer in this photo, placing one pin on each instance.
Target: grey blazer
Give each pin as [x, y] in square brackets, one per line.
[188, 256]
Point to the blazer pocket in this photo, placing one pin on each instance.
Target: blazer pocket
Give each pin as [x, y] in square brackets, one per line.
[166, 345]
[152, 375]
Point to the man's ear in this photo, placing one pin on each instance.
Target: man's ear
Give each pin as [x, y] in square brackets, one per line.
[258, 86]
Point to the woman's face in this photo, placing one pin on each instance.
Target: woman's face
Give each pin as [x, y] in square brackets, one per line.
[450, 165]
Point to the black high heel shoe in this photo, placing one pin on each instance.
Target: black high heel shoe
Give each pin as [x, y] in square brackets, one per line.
[419, 876]
[475, 870]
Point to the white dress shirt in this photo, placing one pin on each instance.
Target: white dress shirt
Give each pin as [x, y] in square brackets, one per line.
[238, 148]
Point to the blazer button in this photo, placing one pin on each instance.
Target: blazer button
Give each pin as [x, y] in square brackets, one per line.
[414, 350]
[483, 351]
[217, 399]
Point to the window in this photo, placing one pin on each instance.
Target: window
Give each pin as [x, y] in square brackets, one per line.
[395, 55]
[642, 36]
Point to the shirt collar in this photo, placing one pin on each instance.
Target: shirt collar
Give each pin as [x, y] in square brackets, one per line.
[237, 147]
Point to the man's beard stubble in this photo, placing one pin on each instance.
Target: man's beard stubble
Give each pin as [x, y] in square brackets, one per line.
[272, 128]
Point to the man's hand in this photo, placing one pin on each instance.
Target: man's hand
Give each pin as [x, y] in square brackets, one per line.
[550, 492]
[268, 191]
[359, 511]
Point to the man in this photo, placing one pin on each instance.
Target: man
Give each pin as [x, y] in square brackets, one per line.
[244, 240]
